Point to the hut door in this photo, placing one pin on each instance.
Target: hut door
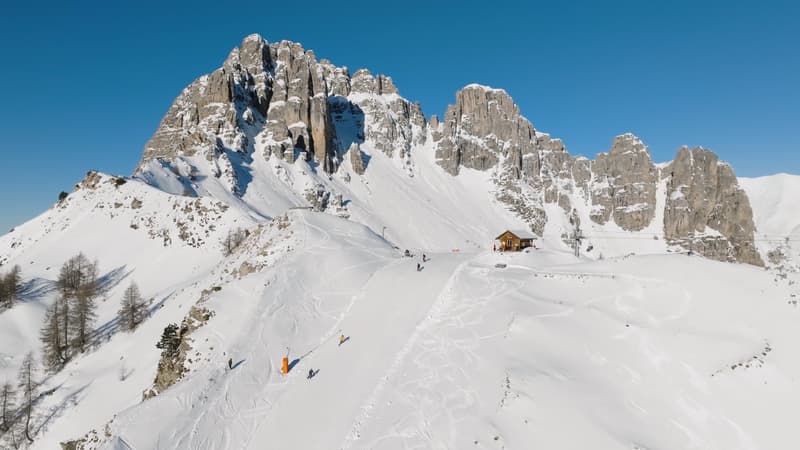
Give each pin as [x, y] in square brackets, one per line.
[510, 243]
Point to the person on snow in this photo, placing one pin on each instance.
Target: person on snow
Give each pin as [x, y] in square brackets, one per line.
[310, 373]
[230, 363]
[341, 340]
[418, 267]
[424, 258]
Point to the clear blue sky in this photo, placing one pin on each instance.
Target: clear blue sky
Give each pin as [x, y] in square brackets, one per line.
[84, 84]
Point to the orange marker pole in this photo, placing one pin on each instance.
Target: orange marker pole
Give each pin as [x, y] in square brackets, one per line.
[285, 368]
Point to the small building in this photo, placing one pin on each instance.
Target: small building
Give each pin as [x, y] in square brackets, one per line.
[516, 240]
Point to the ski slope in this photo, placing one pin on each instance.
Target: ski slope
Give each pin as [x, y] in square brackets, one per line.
[552, 351]
[255, 403]
[549, 352]
[634, 351]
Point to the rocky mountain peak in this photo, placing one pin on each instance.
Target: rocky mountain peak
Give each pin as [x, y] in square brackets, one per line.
[706, 209]
[365, 83]
[483, 127]
[628, 143]
[627, 185]
[278, 101]
[253, 55]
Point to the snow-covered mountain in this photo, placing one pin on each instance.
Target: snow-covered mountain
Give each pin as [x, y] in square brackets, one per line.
[237, 134]
[630, 345]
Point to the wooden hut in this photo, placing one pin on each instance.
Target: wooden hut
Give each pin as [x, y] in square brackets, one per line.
[516, 240]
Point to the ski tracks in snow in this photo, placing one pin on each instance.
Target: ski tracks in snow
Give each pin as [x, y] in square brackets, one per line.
[444, 297]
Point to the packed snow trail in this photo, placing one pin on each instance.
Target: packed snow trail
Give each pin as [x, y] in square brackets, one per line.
[395, 301]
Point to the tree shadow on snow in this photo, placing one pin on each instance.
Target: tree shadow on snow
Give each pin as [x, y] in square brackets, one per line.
[35, 289]
[55, 411]
[112, 279]
[106, 331]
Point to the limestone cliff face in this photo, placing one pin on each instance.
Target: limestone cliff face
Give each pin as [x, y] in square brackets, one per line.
[393, 124]
[706, 209]
[209, 115]
[280, 101]
[484, 130]
[483, 127]
[625, 186]
[299, 107]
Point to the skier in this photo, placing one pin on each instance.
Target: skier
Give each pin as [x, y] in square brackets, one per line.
[310, 373]
[341, 340]
[424, 258]
[230, 363]
[418, 267]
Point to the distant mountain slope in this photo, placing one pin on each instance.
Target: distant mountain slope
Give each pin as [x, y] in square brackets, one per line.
[776, 210]
[776, 205]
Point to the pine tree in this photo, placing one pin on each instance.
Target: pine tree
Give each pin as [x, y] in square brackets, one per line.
[82, 318]
[69, 277]
[4, 294]
[133, 310]
[28, 386]
[170, 341]
[78, 283]
[7, 412]
[233, 240]
[53, 351]
[13, 284]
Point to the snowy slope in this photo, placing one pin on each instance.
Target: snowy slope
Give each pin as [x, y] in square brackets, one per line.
[553, 351]
[775, 203]
[639, 352]
[129, 243]
[776, 211]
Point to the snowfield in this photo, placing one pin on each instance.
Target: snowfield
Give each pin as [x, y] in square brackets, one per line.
[775, 210]
[645, 352]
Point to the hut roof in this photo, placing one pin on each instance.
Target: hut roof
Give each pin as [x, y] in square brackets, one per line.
[522, 234]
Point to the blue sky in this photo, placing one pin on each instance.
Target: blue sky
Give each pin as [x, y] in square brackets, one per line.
[84, 84]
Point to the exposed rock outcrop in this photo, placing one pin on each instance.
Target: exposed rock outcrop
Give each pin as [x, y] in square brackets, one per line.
[299, 106]
[172, 365]
[280, 99]
[483, 127]
[356, 159]
[209, 115]
[625, 185]
[392, 123]
[706, 211]
[484, 130]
